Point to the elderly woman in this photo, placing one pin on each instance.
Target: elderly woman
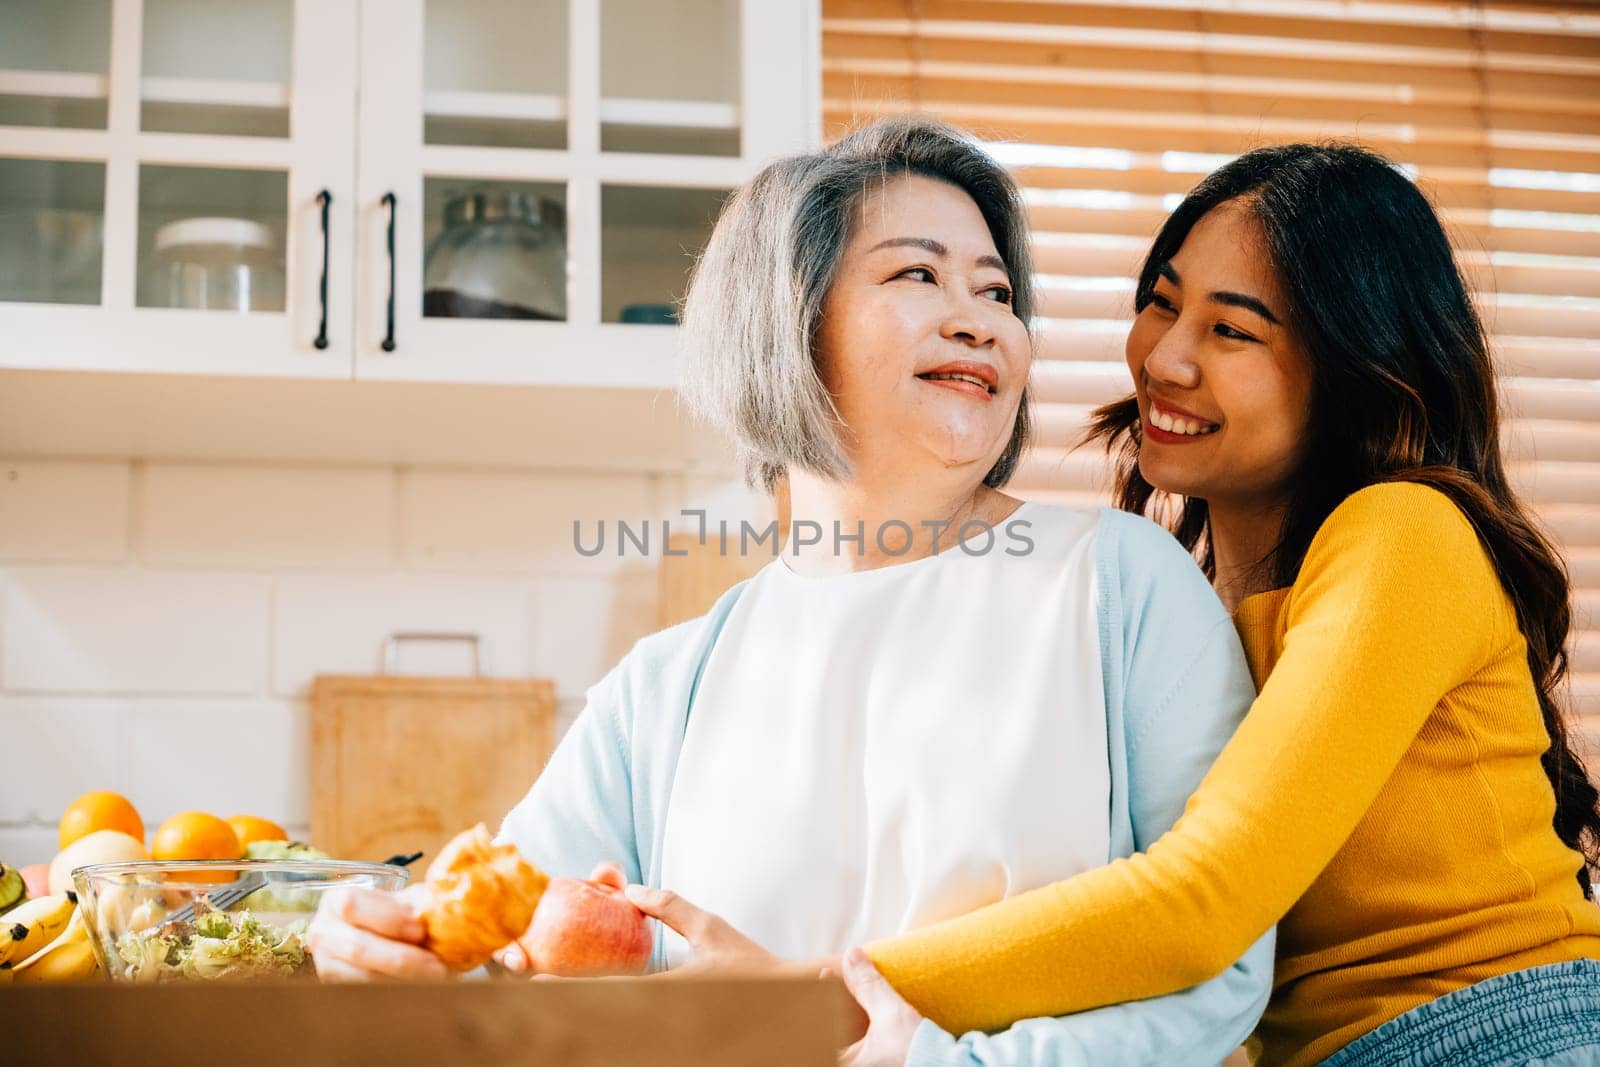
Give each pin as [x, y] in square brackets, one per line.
[948, 697]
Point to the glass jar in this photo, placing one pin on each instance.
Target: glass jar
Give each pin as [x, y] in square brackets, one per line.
[501, 255]
[218, 264]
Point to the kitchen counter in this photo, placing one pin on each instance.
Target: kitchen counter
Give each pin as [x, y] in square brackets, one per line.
[664, 1022]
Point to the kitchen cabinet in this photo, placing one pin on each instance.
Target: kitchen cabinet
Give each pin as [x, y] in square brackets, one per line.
[119, 119]
[632, 119]
[340, 138]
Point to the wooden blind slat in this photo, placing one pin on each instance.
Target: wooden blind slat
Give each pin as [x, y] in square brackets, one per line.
[938, 85]
[1473, 229]
[1526, 440]
[1511, 311]
[1276, 21]
[1089, 469]
[1416, 47]
[1084, 382]
[1544, 357]
[1367, 73]
[1505, 16]
[1101, 340]
[1110, 110]
[1583, 565]
[1173, 132]
[1094, 255]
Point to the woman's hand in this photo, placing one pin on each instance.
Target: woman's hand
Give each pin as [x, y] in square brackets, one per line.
[717, 945]
[891, 1022]
[514, 957]
[359, 935]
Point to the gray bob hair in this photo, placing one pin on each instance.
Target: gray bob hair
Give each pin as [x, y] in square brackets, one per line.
[750, 318]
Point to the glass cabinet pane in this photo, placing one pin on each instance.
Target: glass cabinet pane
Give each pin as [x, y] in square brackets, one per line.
[212, 238]
[649, 238]
[54, 56]
[51, 225]
[495, 73]
[670, 76]
[494, 250]
[217, 66]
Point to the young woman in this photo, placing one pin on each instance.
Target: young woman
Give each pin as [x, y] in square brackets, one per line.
[1315, 413]
[872, 734]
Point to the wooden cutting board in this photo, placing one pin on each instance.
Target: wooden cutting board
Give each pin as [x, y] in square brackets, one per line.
[403, 764]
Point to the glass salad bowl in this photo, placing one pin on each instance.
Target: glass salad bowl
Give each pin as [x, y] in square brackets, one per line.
[212, 920]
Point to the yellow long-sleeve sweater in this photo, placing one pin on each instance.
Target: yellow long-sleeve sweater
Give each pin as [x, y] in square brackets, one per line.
[1383, 801]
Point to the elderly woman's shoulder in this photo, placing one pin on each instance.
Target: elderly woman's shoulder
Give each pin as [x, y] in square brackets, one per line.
[1123, 540]
[679, 647]
[1145, 549]
[1123, 528]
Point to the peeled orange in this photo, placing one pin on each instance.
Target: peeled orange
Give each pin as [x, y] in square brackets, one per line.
[100, 810]
[197, 835]
[250, 828]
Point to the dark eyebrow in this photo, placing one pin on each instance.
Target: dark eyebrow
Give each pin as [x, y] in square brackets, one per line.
[928, 244]
[1244, 300]
[1225, 297]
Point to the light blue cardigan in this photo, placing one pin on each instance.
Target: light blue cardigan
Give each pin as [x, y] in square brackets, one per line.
[1176, 686]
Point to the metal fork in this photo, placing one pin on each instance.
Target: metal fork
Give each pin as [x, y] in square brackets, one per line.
[231, 894]
[219, 899]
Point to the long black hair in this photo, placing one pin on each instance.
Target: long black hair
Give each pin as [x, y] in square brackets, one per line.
[1402, 389]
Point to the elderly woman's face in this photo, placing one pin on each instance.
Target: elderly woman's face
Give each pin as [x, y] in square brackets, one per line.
[918, 342]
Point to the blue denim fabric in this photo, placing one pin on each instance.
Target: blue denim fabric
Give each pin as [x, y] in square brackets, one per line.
[1545, 1016]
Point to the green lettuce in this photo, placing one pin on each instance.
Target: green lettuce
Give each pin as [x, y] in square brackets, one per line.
[217, 945]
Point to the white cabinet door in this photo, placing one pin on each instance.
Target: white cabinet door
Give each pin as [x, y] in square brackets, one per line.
[162, 165]
[546, 170]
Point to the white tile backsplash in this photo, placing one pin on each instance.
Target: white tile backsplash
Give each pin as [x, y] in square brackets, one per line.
[513, 522]
[581, 628]
[22, 845]
[69, 510]
[225, 757]
[338, 625]
[114, 631]
[57, 750]
[160, 623]
[263, 518]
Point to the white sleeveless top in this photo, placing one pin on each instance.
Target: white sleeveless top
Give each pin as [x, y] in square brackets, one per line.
[896, 746]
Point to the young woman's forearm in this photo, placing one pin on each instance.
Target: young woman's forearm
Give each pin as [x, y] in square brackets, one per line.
[1396, 603]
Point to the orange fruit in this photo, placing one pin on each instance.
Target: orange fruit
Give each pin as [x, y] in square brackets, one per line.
[99, 810]
[197, 835]
[250, 828]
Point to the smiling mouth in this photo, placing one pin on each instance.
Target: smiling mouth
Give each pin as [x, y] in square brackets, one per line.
[951, 376]
[1179, 425]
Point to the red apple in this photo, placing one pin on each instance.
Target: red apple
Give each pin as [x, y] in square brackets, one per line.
[36, 876]
[586, 929]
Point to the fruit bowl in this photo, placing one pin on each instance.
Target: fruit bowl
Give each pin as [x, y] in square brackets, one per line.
[156, 921]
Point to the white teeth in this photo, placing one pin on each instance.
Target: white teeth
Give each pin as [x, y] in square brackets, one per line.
[979, 382]
[1175, 424]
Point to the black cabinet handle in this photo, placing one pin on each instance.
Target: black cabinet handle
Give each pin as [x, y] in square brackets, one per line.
[388, 338]
[325, 198]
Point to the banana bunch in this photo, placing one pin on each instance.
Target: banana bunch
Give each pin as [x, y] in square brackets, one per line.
[45, 940]
[13, 890]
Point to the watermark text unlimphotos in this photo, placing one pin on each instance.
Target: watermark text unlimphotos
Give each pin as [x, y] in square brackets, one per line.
[892, 538]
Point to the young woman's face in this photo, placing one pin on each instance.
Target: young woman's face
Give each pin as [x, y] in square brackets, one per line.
[918, 343]
[1223, 388]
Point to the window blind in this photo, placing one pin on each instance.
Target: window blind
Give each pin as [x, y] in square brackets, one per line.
[1109, 111]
